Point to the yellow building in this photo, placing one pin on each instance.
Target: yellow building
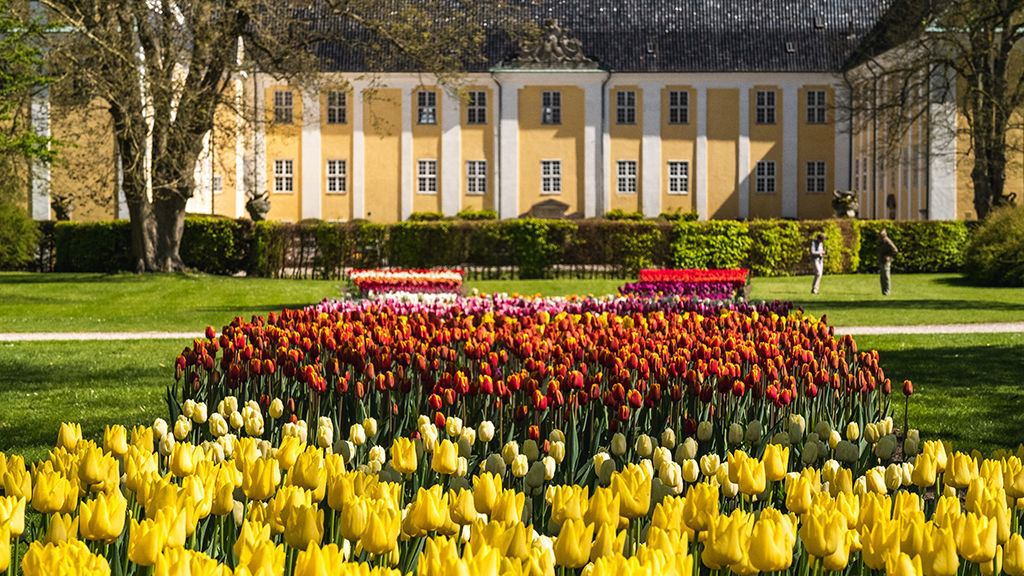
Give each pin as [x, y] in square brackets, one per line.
[728, 109]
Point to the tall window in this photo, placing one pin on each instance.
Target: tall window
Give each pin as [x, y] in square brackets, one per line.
[626, 171]
[765, 111]
[815, 177]
[551, 108]
[476, 176]
[678, 107]
[426, 106]
[816, 106]
[284, 176]
[625, 107]
[336, 109]
[679, 177]
[864, 173]
[218, 184]
[283, 106]
[856, 173]
[427, 177]
[764, 182]
[336, 176]
[551, 176]
[476, 112]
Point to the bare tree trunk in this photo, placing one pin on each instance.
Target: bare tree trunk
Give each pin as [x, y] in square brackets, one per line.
[132, 149]
[169, 211]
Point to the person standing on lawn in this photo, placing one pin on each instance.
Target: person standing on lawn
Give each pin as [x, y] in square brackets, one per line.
[818, 260]
[886, 250]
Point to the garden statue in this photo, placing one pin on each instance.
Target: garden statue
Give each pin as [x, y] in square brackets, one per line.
[845, 204]
[63, 207]
[258, 206]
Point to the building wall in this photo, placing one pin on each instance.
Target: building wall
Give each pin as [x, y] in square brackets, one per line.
[478, 144]
[678, 143]
[539, 142]
[625, 141]
[336, 144]
[382, 120]
[722, 132]
[284, 142]
[816, 144]
[766, 146]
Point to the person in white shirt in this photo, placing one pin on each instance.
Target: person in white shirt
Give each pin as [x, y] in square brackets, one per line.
[818, 260]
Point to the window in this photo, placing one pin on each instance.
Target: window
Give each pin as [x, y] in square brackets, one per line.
[283, 106]
[765, 107]
[815, 106]
[336, 176]
[426, 106]
[476, 176]
[476, 112]
[336, 112]
[427, 177]
[626, 171]
[764, 182]
[679, 177]
[551, 108]
[815, 177]
[625, 107]
[284, 176]
[678, 107]
[856, 173]
[551, 176]
[218, 184]
[864, 173]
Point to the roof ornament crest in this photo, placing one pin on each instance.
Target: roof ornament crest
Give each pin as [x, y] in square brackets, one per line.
[555, 49]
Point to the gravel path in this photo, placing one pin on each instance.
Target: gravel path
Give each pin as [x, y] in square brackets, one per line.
[989, 328]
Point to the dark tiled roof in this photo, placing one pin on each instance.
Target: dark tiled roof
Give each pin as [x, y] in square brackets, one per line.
[685, 35]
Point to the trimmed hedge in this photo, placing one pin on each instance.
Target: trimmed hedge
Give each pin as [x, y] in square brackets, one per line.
[523, 248]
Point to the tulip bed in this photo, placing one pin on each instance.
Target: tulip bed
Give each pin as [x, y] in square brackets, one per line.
[376, 282]
[692, 283]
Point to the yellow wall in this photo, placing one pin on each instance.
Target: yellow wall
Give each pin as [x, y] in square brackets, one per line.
[478, 144]
[426, 145]
[86, 171]
[816, 143]
[284, 142]
[382, 127]
[678, 142]
[551, 142]
[766, 145]
[723, 131]
[336, 144]
[625, 145]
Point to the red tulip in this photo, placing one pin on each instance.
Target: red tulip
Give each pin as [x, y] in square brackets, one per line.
[908, 388]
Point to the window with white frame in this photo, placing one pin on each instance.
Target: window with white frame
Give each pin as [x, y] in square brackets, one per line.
[550, 176]
[626, 172]
[283, 106]
[476, 111]
[678, 177]
[476, 176]
[426, 107]
[284, 176]
[218, 184]
[550, 107]
[816, 106]
[337, 176]
[625, 107]
[815, 177]
[426, 177]
[336, 107]
[764, 181]
[864, 173]
[765, 107]
[856, 173]
[678, 107]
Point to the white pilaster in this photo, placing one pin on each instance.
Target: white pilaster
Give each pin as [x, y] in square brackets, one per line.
[451, 153]
[240, 152]
[607, 173]
[790, 148]
[40, 111]
[122, 200]
[358, 155]
[260, 138]
[701, 156]
[942, 147]
[650, 150]
[311, 155]
[509, 206]
[841, 168]
[591, 162]
[743, 153]
[407, 160]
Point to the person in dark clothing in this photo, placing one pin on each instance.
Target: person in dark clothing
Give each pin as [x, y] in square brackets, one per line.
[886, 250]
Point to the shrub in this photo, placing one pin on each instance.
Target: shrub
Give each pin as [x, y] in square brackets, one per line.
[93, 246]
[530, 248]
[208, 245]
[425, 216]
[714, 244]
[633, 245]
[776, 247]
[677, 215]
[620, 214]
[468, 214]
[19, 237]
[422, 245]
[995, 254]
[928, 246]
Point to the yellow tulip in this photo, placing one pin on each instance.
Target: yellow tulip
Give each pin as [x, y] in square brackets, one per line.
[799, 493]
[461, 507]
[841, 482]
[90, 468]
[183, 459]
[486, 488]
[821, 531]
[848, 506]
[700, 507]
[260, 479]
[903, 565]
[303, 526]
[770, 548]
[572, 547]
[71, 557]
[874, 508]
[446, 458]
[924, 470]
[1013, 555]
[403, 456]
[976, 538]
[735, 459]
[775, 461]
[633, 487]
[938, 557]
[508, 507]
[5, 546]
[142, 438]
[61, 528]
[840, 558]
[69, 435]
[912, 533]
[103, 518]
[607, 542]
[428, 510]
[173, 523]
[939, 451]
[145, 541]
[1013, 477]
[12, 514]
[309, 472]
[962, 469]
[250, 534]
[262, 558]
[17, 481]
[726, 538]
[568, 502]
[50, 489]
[353, 518]
[668, 515]
[381, 533]
[603, 508]
[288, 450]
[115, 440]
[751, 476]
[317, 561]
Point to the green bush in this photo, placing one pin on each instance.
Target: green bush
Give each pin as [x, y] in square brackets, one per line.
[208, 245]
[425, 216]
[93, 246]
[529, 246]
[422, 245]
[677, 215]
[620, 214]
[927, 246]
[776, 247]
[632, 246]
[841, 245]
[714, 244]
[995, 254]
[468, 214]
[19, 237]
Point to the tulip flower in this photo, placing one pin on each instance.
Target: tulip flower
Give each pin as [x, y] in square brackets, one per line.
[568, 502]
[262, 557]
[445, 458]
[69, 435]
[260, 479]
[751, 476]
[115, 440]
[508, 506]
[103, 519]
[771, 543]
[603, 508]
[976, 538]
[303, 526]
[726, 538]
[821, 531]
[145, 541]
[50, 490]
[938, 555]
[775, 461]
[381, 533]
[309, 472]
[633, 487]
[403, 456]
[486, 488]
[1013, 555]
[462, 509]
[288, 450]
[607, 543]
[572, 547]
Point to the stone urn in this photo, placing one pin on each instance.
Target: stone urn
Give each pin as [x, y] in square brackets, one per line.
[258, 207]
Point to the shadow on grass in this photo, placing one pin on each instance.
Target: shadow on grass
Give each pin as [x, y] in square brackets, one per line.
[968, 395]
[257, 308]
[897, 305]
[58, 278]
